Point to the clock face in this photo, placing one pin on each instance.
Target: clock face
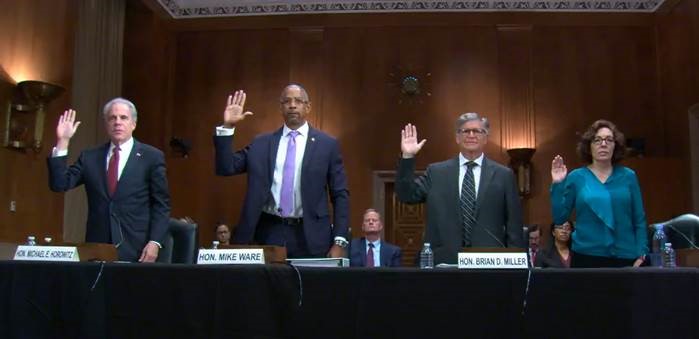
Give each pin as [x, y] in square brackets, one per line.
[410, 85]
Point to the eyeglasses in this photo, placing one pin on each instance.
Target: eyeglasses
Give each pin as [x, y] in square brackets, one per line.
[598, 141]
[298, 101]
[474, 131]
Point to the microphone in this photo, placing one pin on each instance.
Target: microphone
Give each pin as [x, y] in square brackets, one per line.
[694, 246]
[494, 237]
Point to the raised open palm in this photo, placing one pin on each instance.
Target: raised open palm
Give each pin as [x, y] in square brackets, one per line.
[408, 141]
[558, 169]
[234, 109]
[66, 125]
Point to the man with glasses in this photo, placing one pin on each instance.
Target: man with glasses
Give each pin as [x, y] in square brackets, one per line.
[291, 172]
[472, 201]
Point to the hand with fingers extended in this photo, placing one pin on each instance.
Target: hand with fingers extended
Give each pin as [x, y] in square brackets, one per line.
[558, 169]
[66, 129]
[234, 109]
[408, 141]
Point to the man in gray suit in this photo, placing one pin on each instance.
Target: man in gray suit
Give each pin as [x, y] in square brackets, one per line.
[472, 201]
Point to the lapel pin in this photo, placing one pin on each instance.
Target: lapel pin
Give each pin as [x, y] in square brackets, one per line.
[138, 154]
[313, 139]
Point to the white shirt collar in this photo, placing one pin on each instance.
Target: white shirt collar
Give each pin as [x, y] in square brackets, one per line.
[303, 130]
[478, 161]
[125, 147]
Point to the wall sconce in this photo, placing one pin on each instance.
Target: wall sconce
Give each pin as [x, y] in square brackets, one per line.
[520, 161]
[30, 96]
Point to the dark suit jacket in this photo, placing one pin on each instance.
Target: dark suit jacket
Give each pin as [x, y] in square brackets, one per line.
[498, 209]
[322, 176]
[549, 257]
[390, 254]
[138, 212]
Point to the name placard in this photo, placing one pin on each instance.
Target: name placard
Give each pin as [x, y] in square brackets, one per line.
[47, 253]
[231, 256]
[475, 260]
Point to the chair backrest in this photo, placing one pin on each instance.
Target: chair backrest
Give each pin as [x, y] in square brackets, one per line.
[180, 244]
[681, 231]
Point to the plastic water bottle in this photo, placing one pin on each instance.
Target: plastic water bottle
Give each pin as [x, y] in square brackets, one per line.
[31, 240]
[214, 245]
[659, 240]
[669, 256]
[426, 256]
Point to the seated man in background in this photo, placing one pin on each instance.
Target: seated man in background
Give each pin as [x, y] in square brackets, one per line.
[369, 250]
[223, 233]
[534, 240]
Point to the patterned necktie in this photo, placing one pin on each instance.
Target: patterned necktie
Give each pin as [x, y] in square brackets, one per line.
[286, 199]
[113, 171]
[370, 256]
[468, 202]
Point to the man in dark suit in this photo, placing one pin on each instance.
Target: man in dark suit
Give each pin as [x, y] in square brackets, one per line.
[125, 182]
[291, 172]
[377, 253]
[472, 201]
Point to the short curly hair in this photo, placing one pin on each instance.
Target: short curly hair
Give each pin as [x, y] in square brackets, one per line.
[585, 143]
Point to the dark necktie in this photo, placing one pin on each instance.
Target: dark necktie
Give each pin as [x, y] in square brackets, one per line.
[468, 202]
[113, 171]
[370, 256]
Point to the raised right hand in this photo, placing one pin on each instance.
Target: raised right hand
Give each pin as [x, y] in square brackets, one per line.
[234, 109]
[558, 169]
[408, 141]
[66, 125]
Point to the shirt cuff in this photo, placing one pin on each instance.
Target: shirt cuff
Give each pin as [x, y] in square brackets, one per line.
[157, 243]
[224, 132]
[55, 153]
[340, 238]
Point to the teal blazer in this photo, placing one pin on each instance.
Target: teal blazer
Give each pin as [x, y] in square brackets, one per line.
[610, 220]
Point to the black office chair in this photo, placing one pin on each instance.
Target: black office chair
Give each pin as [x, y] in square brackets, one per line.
[681, 231]
[180, 245]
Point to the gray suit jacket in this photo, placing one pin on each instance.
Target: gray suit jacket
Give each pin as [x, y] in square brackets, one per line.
[498, 209]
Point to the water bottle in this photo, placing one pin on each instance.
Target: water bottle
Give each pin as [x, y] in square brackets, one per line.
[659, 240]
[214, 245]
[669, 256]
[31, 240]
[426, 256]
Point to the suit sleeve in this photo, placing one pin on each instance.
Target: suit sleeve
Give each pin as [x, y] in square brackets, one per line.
[228, 162]
[411, 190]
[339, 193]
[515, 236]
[159, 199]
[63, 178]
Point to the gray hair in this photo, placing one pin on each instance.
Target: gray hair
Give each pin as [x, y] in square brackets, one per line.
[472, 116]
[304, 94]
[132, 108]
[370, 210]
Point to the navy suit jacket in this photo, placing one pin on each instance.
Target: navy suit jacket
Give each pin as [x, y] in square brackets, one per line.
[390, 254]
[322, 178]
[138, 212]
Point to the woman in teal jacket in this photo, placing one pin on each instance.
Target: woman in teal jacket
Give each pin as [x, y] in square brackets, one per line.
[610, 221]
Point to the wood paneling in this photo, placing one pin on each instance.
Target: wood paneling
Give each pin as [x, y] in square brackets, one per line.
[36, 44]
[582, 67]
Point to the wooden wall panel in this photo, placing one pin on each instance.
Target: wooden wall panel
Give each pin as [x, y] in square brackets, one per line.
[581, 70]
[36, 44]
[678, 84]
